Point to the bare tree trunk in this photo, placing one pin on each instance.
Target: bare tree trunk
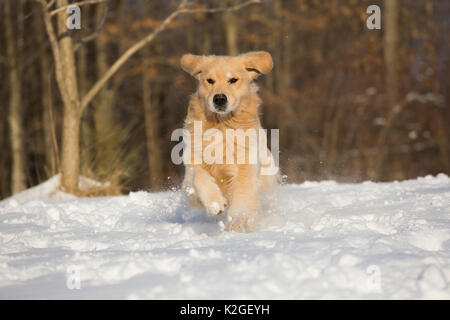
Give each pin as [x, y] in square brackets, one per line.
[47, 119]
[390, 39]
[18, 176]
[207, 36]
[151, 111]
[107, 149]
[440, 129]
[70, 157]
[86, 136]
[274, 44]
[156, 175]
[86, 139]
[287, 55]
[231, 29]
[277, 25]
[333, 151]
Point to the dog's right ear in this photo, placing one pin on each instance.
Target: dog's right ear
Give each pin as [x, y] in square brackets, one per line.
[257, 63]
[192, 64]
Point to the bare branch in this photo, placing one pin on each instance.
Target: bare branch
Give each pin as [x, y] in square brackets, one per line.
[56, 52]
[140, 44]
[97, 31]
[216, 10]
[127, 54]
[45, 4]
[80, 42]
[50, 4]
[78, 4]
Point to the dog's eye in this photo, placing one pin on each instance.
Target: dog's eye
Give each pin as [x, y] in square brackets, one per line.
[211, 81]
[232, 80]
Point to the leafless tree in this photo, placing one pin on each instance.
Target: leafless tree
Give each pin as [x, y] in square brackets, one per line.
[74, 105]
[13, 40]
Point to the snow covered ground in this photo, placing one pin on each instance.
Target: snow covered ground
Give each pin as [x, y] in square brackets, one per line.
[319, 240]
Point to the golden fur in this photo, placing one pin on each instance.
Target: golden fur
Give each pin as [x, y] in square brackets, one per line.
[215, 187]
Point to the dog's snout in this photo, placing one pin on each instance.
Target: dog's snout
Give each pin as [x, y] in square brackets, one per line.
[220, 100]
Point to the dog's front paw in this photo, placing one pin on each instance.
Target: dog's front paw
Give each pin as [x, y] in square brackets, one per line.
[240, 221]
[216, 206]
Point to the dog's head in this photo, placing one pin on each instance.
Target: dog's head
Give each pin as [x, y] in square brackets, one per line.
[224, 81]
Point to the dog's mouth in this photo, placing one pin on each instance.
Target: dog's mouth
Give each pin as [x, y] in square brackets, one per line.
[221, 109]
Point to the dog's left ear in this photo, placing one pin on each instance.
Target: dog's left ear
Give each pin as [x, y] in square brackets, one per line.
[191, 64]
[257, 63]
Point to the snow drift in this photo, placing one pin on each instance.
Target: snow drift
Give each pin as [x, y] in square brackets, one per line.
[319, 240]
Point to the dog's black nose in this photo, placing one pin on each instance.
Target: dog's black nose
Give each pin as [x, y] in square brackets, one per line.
[220, 100]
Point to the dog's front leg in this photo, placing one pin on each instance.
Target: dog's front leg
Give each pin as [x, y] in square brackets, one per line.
[200, 186]
[245, 200]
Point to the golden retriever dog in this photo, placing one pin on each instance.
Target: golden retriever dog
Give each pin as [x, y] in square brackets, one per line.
[226, 100]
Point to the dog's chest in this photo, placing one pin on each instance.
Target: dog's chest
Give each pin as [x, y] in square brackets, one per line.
[229, 146]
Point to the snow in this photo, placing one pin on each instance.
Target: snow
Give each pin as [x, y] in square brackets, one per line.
[50, 190]
[318, 240]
